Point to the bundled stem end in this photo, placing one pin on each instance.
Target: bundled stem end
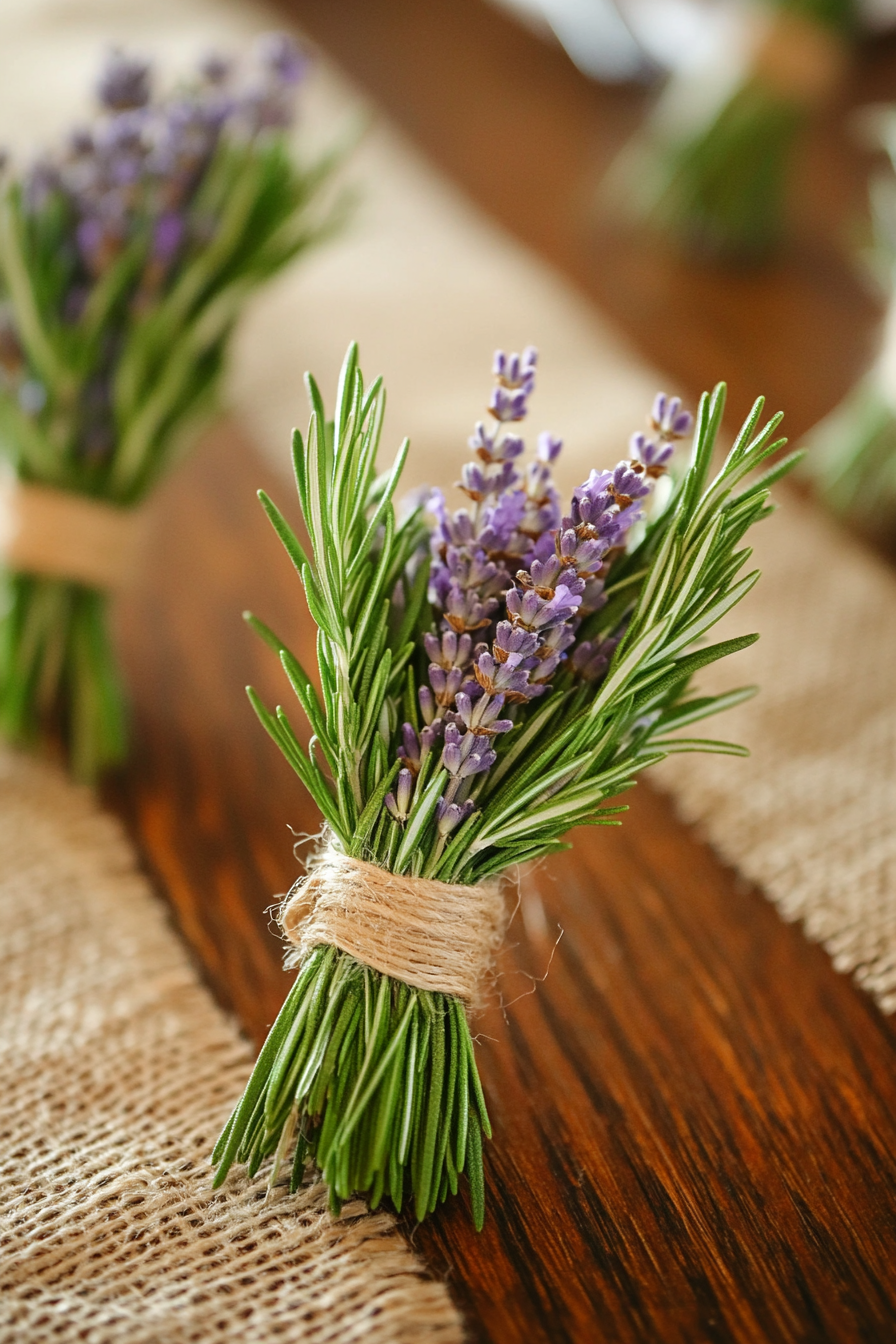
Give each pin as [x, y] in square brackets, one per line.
[372, 1080]
[59, 677]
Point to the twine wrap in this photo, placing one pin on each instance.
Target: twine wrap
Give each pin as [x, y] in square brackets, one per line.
[801, 59]
[435, 936]
[68, 536]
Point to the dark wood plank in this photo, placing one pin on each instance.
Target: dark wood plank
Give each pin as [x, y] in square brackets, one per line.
[694, 1115]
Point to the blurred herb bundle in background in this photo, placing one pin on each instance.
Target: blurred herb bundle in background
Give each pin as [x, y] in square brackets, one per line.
[125, 259]
[490, 677]
[851, 458]
[713, 165]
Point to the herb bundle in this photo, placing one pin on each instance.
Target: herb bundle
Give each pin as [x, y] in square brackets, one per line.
[490, 678]
[125, 259]
[712, 167]
[851, 457]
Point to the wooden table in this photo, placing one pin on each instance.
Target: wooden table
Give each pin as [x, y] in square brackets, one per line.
[695, 1117]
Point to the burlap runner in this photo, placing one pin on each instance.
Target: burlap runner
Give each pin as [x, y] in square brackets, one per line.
[811, 816]
[118, 1071]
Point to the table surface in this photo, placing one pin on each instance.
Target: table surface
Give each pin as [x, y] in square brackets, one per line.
[695, 1116]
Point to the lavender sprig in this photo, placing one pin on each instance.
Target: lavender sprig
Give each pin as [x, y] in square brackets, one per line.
[526, 617]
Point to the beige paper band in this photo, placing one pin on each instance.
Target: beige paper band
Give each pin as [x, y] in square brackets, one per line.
[68, 536]
[432, 935]
[802, 60]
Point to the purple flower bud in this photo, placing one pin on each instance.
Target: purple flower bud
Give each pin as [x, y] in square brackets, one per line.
[481, 716]
[628, 484]
[467, 755]
[514, 371]
[167, 236]
[282, 56]
[513, 639]
[215, 68]
[450, 815]
[124, 82]
[404, 791]
[651, 454]
[427, 704]
[592, 658]
[507, 406]
[668, 418]
[549, 448]
[510, 447]
[533, 612]
[445, 684]
[449, 651]
[409, 752]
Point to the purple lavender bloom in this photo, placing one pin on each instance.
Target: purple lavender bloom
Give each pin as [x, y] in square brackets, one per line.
[481, 716]
[481, 442]
[668, 418]
[653, 455]
[501, 523]
[592, 658]
[399, 802]
[466, 755]
[426, 700]
[124, 82]
[583, 556]
[514, 640]
[507, 406]
[549, 448]
[445, 685]
[450, 815]
[508, 677]
[449, 651]
[410, 753]
[514, 370]
[533, 612]
[464, 611]
[518, 527]
[167, 236]
[628, 485]
[282, 56]
[215, 68]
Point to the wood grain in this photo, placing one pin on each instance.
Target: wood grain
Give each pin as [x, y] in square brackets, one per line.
[694, 1115]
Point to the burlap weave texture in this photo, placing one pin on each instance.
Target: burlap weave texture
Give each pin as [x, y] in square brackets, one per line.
[811, 816]
[118, 1070]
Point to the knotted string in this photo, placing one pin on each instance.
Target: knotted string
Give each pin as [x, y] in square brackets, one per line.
[436, 936]
[67, 535]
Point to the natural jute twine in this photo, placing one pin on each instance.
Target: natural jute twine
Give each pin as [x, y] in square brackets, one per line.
[800, 59]
[436, 936]
[68, 536]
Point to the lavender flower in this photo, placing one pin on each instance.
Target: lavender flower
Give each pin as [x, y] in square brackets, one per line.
[124, 82]
[450, 815]
[399, 802]
[669, 419]
[516, 571]
[466, 755]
